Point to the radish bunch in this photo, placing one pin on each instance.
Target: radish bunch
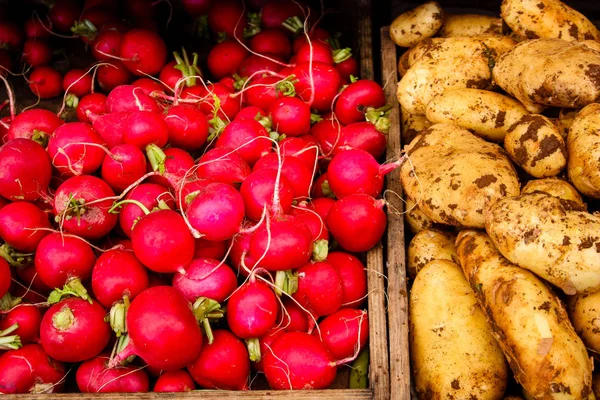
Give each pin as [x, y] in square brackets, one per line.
[186, 231]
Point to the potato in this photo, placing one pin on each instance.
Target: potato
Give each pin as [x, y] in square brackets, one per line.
[415, 219]
[429, 245]
[547, 19]
[487, 114]
[535, 144]
[557, 188]
[470, 25]
[417, 24]
[530, 323]
[584, 312]
[550, 72]
[543, 234]
[596, 383]
[565, 119]
[457, 176]
[583, 148]
[453, 353]
[449, 63]
[411, 125]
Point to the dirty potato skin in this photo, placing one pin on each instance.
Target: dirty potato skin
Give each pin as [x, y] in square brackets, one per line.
[557, 188]
[583, 148]
[547, 19]
[453, 352]
[565, 119]
[596, 384]
[457, 176]
[530, 323]
[411, 125]
[550, 72]
[470, 25]
[584, 312]
[485, 113]
[543, 234]
[417, 24]
[534, 143]
[429, 245]
[415, 219]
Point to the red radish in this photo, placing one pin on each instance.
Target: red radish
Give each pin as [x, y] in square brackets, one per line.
[29, 277]
[362, 136]
[125, 165]
[223, 165]
[315, 34]
[328, 134]
[117, 243]
[90, 221]
[143, 52]
[206, 277]
[25, 170]
[344, 332]
[354, 278]
[239, 253]
[187, 190]
[5, 277]
[60, 258]
[251, 112]
[110, 126]
[356, 98]
[196, 8]
[274, 13]
[36, 124]
[174, 381]
[113, 75]
[209, 249]
[36, 28]
[312, 220]
[223, 365]
[356, 171]
[63, 14]
[318, 85]
[297, 361]
[295, 319]
[170, 75]
[77, 82]
[302, 150]
[321, 188]
[74, 330]
[93, 376]
[128, 98]
[320, 288]
[149, 195]
[317, 51]
[76, 148]
[227, 18]
[174, 163]
[148, 85]
[117, 273]
[28, 318]
[188, 127]
[143, 128]
[348, 67]
[296, 173]
[22, 226]
[263, 91]
[140, 9]
[229, 83]
[107, 45]
[45, 82]
[94, 102]
[5, 64]
[290, 116]
[228, 106]
[162, 241]
[37, 53]
[248, 137]
[266, 341]
[217, 212]
[258, 189]
[357, 222]
[225, 58]
[100, 17]
[256, 64]
[30, 370]
[271, 41]
[162, 330]
[285, 243]
[11, 35]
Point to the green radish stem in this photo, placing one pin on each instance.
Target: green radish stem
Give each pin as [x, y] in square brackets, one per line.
[10, 342]
[359, 373]
[15, 258]
[205, 310]
[73, 287]
[286, 282]
[320, 250]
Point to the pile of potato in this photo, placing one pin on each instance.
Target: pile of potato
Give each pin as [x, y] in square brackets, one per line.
[501, 121]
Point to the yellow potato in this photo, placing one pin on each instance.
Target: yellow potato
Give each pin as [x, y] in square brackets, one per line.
[417, 24]
[547, 19]
[530, 323]
[415, 219]
[543, 234]
[535, 144]
[470, 25]
[557, 188]
[584, 312]
[487, 114]
[596, 383]
[411, 125]
[565, 119]
[452, 350]
[583, 148]
[456, 175]
[429, 245]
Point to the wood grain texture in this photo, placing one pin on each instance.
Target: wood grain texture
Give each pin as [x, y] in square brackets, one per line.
[396, 257]
[364, 18]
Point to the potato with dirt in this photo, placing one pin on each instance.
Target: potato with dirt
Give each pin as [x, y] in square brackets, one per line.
[411, 125]
[456, 176]
[550, 72]
[487, 114]
[529, 321]
[583, 148]
[550, 238]
[452, 350]
[565, 119]
[584, 312]
[557, 188]
[547, 19]
[429, 245]
[417, 24]
[470, 25]
[415, 219]
[535, 144]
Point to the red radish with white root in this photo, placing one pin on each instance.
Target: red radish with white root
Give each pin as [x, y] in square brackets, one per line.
[150, 195]
[143, 52]
[76, 148]
[28, 319]
[23, 225]
[344, 333]
[123, 166]
[174, 381]
[25, 170]
[207, 278]
[93, 376]
[320, 288]
[30, 370]
[223, 165]
[354, 278]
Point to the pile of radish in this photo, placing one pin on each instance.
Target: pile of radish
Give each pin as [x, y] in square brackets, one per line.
[190, 225]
